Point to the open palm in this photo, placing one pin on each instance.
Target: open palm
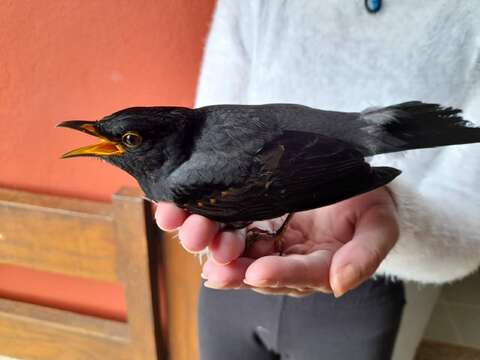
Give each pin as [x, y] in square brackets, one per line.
[334, 248]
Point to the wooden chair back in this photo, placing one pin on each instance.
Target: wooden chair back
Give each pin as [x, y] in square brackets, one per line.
[114, 242]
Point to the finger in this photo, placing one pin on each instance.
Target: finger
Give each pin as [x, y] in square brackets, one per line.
[375, 234]
[169, 217]
[259, 245]
[197, 232]
[225, 276]
[228, 246]
[293, 271]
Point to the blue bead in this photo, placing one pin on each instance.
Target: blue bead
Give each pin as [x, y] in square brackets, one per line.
[373, 6]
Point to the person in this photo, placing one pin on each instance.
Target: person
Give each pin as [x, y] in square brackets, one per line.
[422, 227]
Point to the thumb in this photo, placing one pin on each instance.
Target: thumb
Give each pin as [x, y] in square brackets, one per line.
[376, 232]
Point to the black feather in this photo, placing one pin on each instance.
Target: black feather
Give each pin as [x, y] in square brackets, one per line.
[417, 125]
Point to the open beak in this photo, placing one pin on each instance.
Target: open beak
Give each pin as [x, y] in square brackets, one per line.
[106, 147]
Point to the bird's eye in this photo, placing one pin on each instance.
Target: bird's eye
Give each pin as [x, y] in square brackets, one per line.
[131, 139]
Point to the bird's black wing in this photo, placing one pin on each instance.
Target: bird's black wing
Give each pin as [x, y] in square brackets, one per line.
[294, 172]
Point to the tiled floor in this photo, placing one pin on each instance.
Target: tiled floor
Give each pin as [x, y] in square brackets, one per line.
[456, 318]
[439, 351]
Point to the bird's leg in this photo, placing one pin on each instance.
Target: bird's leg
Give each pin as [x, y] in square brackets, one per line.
[282, 228]
[278, 237]
[255, 234]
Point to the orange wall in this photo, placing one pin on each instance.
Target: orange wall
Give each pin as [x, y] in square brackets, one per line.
[82, 59]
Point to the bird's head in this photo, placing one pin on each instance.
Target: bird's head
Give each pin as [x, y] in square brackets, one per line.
[139, 140]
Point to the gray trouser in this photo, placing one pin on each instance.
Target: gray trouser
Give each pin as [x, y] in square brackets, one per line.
[241, 324]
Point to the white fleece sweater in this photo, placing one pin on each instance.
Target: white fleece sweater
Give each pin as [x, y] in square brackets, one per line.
[333, 54]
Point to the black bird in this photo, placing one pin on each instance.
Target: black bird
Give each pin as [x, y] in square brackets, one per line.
[240, 163]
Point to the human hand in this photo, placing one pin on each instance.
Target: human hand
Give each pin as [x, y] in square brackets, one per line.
[333, 248]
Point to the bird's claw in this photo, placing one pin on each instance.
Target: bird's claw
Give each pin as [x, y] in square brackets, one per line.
[256, 234]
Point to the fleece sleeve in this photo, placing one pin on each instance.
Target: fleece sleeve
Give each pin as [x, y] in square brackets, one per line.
[224, 73]
[439, 211]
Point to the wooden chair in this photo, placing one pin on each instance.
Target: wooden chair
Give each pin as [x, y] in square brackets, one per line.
[114, 242]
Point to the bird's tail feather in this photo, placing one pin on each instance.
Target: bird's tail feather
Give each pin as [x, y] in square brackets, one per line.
[416, 125]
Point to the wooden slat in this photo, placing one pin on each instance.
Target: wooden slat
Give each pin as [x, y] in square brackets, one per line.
[137, 250]
[25, 198]
[115, 330]
[33, 332]
[182, 281]
[58, 235]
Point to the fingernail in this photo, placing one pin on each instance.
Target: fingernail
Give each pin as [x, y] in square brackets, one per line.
[257, 283]
[220, 262]
[188, 250]
[212, 285]
[194, 252]
[345, 280]
[165, 229]
[325, 290]
[161, 227]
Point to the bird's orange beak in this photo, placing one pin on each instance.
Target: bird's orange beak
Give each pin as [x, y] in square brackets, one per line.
[106, 147]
